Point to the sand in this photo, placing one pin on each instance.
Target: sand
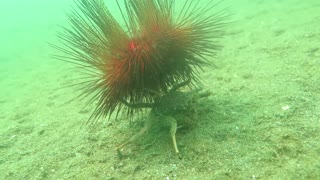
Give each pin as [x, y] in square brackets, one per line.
[262, 120]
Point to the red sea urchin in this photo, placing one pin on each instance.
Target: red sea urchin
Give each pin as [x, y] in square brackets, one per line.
[158, 50]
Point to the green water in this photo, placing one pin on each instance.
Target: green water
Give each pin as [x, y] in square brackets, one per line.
[262, 120]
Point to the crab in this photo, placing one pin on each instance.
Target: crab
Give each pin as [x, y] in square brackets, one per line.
[174, 108]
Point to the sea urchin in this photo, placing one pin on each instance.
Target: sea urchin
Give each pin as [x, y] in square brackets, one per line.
[158, 46]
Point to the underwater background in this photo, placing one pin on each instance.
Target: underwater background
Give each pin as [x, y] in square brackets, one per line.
[262, 120]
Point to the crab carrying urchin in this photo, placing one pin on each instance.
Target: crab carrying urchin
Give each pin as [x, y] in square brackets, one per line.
[162, 47]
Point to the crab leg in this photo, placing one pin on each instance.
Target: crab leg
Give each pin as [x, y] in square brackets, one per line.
[146, 127]
[172, 123]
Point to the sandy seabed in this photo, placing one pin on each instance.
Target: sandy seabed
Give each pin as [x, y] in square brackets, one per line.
[262, 120]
